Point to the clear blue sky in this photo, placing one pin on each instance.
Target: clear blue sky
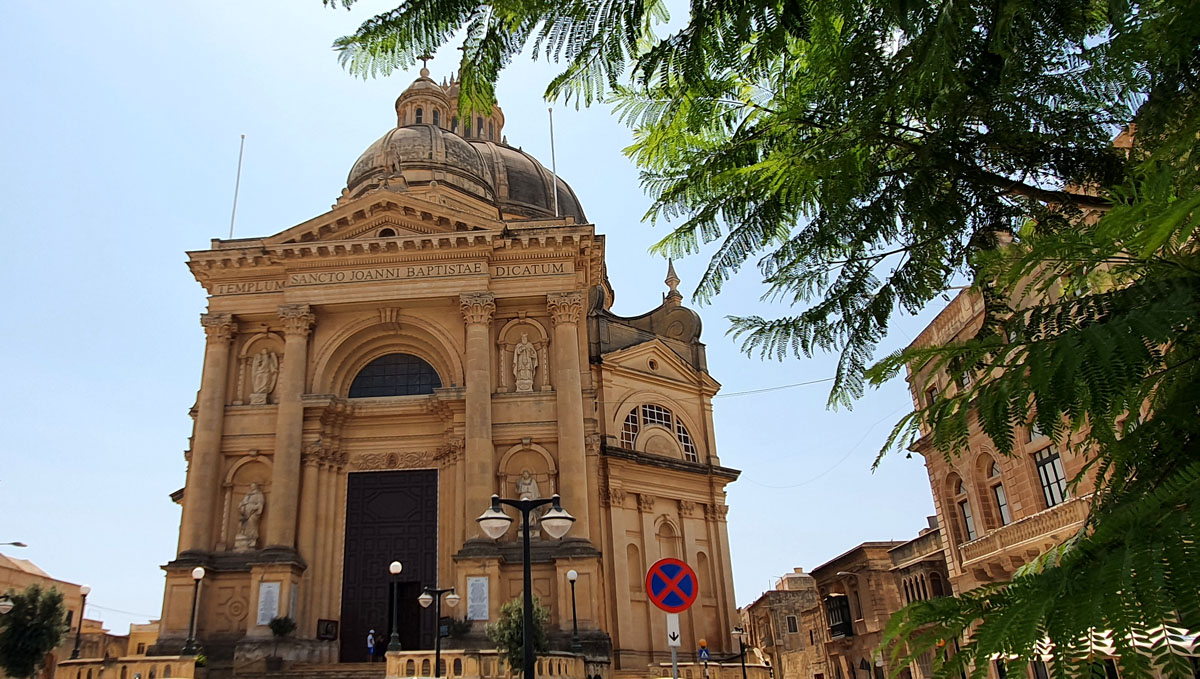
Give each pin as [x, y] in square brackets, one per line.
[119, 139]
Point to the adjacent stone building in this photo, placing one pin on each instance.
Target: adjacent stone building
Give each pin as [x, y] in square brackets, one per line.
[998, 511]
[373, 375]
[784, 625]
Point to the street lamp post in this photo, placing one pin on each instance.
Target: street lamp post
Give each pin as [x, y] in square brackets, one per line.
[83, 592]
[740, 633]
[495, 523]
[189, 648]
[427, 597]
[394, 642]
[576, 647]
[13, 544]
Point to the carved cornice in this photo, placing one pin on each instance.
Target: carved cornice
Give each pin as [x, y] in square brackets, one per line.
[297, 319]
[687, 508]
[564, 307]
[645, 502]
[477, 307]
[376, 461]
[218, 327]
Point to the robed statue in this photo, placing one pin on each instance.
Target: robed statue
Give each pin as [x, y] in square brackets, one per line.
[249, 514]
[527, 489]
[525, 361]
[264, 372]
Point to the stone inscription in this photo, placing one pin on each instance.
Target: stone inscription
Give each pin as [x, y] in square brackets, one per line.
[395, 273]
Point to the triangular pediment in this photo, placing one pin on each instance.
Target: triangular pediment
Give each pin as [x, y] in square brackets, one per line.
[403, 213]
[654, 357]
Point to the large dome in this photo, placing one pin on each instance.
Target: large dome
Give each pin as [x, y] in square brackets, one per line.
[424, 151]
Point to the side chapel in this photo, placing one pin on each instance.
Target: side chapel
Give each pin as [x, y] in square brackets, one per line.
[373, 375]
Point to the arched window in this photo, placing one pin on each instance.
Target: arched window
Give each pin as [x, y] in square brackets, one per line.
[923, 591]
[387, 233]
[166, 672]
[491, 131]
[935, 585]
[964, 509]
[420, 115]
[437, 118]
[650, 414]
[395, 375]
[124, 672]
[454, 124]
[479, 127]
[996, 482]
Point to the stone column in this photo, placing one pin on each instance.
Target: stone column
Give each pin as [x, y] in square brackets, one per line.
[477, 310]
[204, 468]
[289, 424]
[565, 309]
[310, 462]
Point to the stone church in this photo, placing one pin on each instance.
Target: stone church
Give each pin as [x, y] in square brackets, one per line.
[373, 375]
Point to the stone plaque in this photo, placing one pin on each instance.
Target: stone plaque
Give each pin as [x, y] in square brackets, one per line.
[477, 598]
[268, 602]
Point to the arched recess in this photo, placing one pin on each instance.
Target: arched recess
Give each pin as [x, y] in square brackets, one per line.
[357, 344]
[633, 564]
[246, 470]
[531, 456]
[507, 340]
[244, 385]
[668, 537]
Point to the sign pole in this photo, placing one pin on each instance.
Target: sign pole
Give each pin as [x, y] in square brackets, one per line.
[674, 663]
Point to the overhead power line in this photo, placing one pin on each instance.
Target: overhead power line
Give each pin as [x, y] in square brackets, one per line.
[766, 389]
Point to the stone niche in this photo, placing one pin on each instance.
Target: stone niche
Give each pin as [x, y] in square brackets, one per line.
[258, 369]
[244, 475]
[523, 357]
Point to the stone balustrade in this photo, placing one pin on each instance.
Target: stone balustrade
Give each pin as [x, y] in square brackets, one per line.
[713, 670]
[1073, 512]
[136, 667]
[476, 664]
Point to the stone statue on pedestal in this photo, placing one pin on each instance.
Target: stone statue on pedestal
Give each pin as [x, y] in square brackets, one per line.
[527, 489]
[249, 514]
[525, 361]
[264, 373]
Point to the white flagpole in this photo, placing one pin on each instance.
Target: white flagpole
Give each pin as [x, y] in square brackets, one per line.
[237, 185]
[553, 163]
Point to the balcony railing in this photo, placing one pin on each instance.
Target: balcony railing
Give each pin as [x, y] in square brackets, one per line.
[1069, 513]
[467, 664]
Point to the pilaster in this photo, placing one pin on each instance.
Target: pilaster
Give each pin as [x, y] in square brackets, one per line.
[204, 469]
[477, 310]
[285, 473]
[565, 309]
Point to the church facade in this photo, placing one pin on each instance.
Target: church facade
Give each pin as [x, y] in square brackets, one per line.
[373, 375]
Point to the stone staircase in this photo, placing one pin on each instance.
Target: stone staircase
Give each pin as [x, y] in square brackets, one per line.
[376, 670]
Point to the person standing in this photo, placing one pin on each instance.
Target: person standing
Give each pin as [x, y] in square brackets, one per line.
[371, 646]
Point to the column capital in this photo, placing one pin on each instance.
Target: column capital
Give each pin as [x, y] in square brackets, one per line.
[297, 319]
[477, 307]
[565, 307]
[218, 326]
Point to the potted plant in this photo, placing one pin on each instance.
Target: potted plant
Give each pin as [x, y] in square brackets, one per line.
[280, 627]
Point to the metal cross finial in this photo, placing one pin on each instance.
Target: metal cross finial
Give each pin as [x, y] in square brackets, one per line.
[425, 59]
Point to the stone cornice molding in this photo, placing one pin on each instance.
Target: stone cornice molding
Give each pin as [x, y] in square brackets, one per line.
[477, 307]
[297, 319]
[219, 327]
[564, 307]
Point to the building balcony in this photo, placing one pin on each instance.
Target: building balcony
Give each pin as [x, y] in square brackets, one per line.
[1023, 539]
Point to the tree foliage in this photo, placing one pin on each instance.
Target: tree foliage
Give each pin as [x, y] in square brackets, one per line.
[35, 625]
[868, 155]
[508, 634]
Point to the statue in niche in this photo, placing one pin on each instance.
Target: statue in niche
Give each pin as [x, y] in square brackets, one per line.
[264, 373]
[527, 489]
[525, 361]
[249, 513]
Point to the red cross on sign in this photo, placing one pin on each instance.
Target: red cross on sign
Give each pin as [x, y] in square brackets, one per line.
[672, 585]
